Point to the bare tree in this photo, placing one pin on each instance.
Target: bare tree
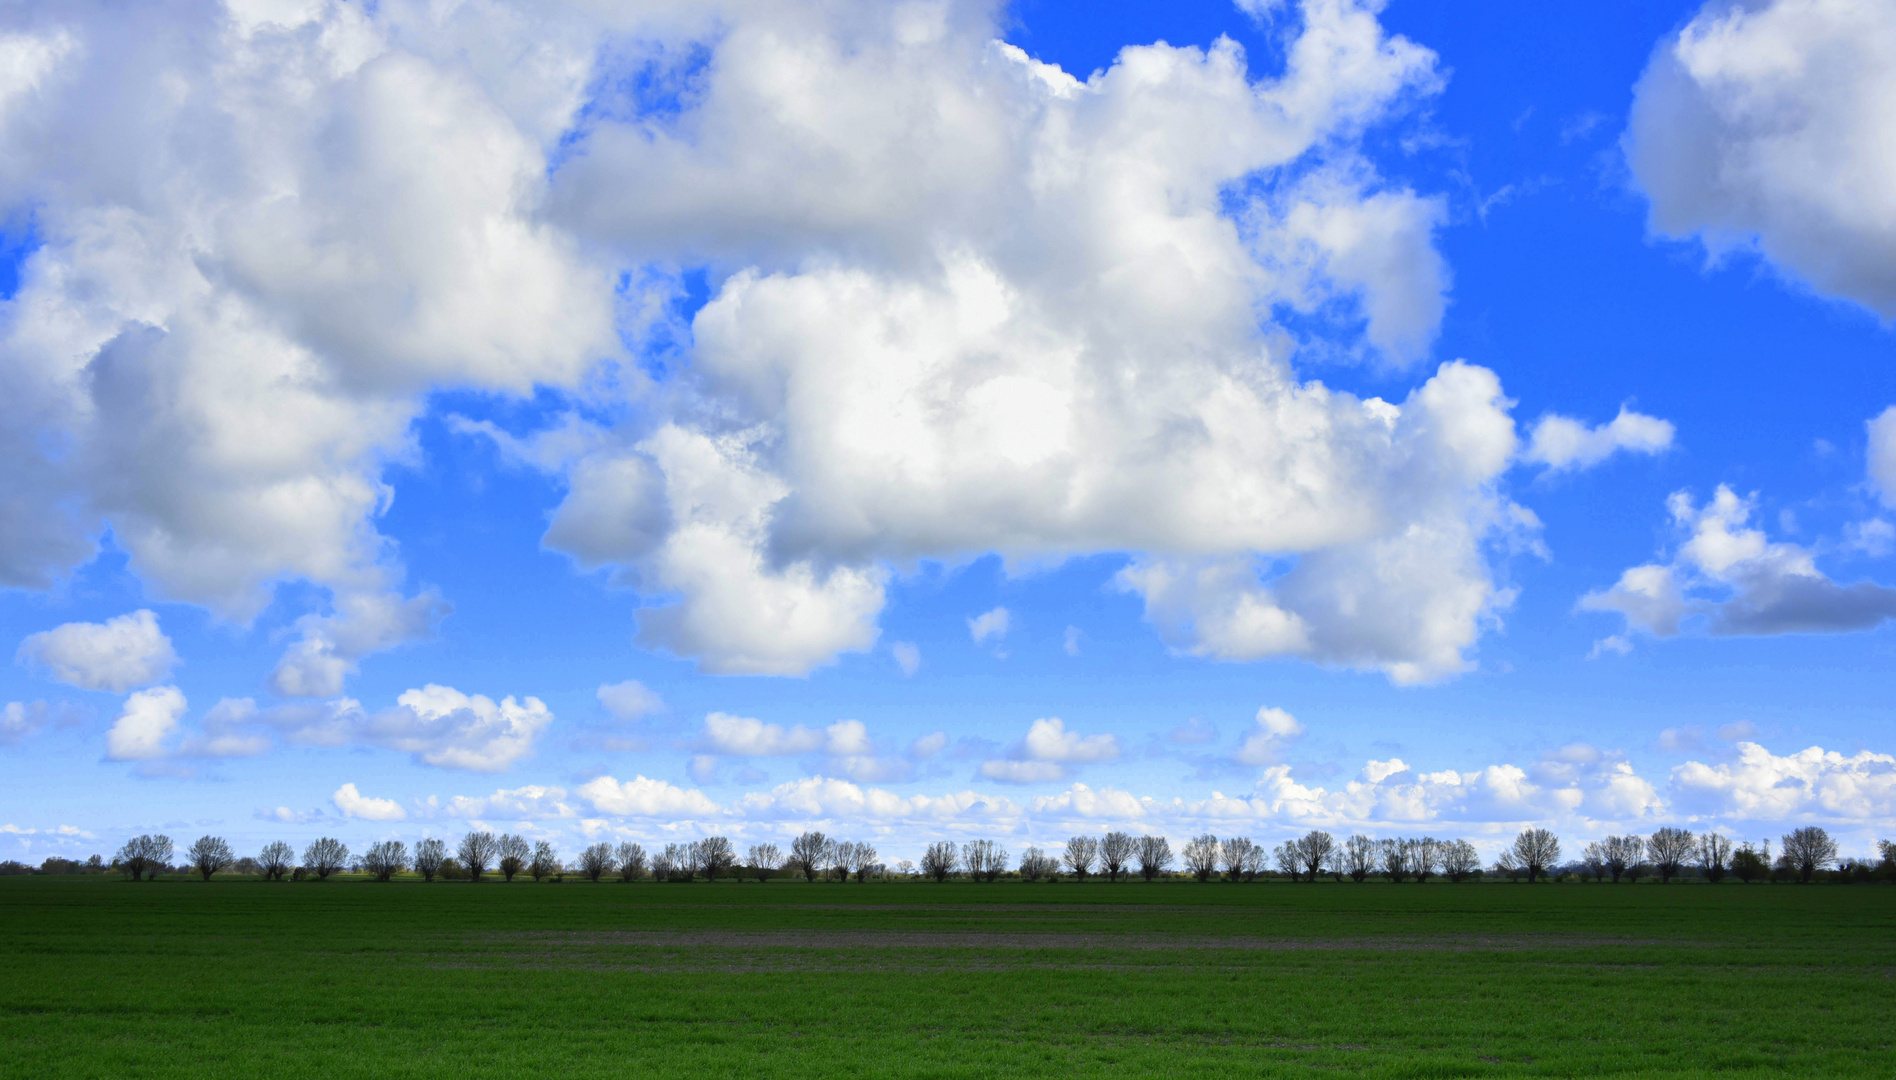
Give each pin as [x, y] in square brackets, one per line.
[1507, 864]
[1668, 849]
[1395, 859]
[717, 855]
[939, 860]
[275, 860]
[682, 861]
[1115, 854]
[1624, 854]
[514, 853]
[144, 856]
[1459, 861]
[839, 860]
[429, 855]
[1809, 850]
[1036, 864]
[325, 856]
[386, 859]
[1536, 850]
[807, 853]
[1201, 856]
[596, 861]
[764, 860]
[1081, 851]
[210, 855]
[1360, 856]
[477, 853]
[1155, 856]
[1237, 855]
[1593, 857]
[1313, 849]
[863, 860]
[1714, 855]
[545, 861]
[1424, 855]
[1289, 860]
[665, 862]
[629, 860]
[985, 859]
[1254, 862]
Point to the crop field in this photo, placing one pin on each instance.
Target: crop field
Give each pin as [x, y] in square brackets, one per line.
[343, 978]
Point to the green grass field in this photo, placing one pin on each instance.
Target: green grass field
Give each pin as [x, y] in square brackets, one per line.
[105, 977]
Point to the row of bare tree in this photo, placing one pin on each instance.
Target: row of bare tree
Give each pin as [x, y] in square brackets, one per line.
[1669, 851]
[1533, 854]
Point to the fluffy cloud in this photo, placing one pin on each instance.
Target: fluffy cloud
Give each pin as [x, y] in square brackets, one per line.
[928, 745]
[745, 737]
[531, 802]
[1560, 442]
[991, 624]
[629, 700]
[1810, 784]
[639, 797]
[353, 804]
[439, 725]
[214, 352]
[961, 302]
[1882, 455]
[1577, 785]
[320, 661]
[1265, 743]
[1083, 803]
[443, 727]
[845, 745]
[820, 798]
[119, 654]
[1762, 125]
[148, 718]
[907, 656]
[1033, 329]
[1737, 581]
[1046, 751]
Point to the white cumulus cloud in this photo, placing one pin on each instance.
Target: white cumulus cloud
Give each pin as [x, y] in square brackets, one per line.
[1265, 743]
[351, 803]
[148, 718]
[1047, 750]
[119, 654]
[1813, 783]
[961, 302]
[1561, 442]
[1764, 125]
[640, 797]
[1729, 575]
[745, 736]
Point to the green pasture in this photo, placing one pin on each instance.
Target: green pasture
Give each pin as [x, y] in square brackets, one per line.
[345, 978]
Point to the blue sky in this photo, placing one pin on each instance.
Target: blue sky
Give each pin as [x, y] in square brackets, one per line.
[945, 420]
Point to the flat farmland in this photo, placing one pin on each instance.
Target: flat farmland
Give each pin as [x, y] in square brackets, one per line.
[104, 977]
